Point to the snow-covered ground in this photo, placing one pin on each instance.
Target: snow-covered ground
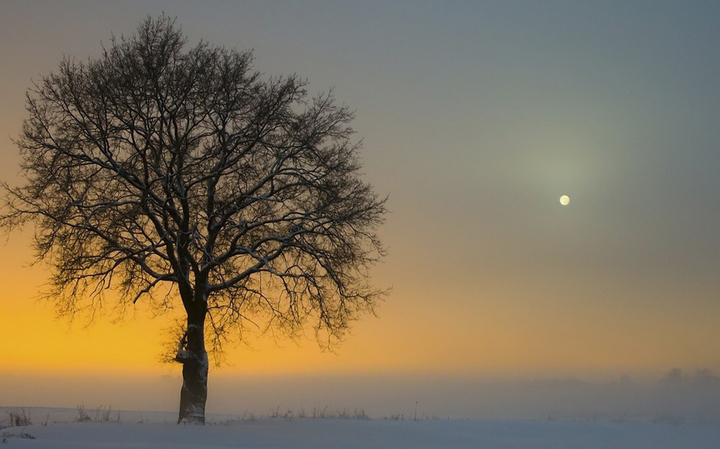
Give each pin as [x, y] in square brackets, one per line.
[156, 430]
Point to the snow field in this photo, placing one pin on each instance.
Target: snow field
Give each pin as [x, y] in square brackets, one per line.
[307, 433]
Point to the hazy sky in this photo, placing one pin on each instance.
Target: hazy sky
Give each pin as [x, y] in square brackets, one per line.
[476, 117]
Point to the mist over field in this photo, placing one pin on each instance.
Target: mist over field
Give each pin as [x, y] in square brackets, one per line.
[674, 397]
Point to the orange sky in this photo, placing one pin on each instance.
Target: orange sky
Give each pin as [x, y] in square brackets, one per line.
[418, 330]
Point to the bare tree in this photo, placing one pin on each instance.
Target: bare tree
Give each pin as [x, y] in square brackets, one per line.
[173, 174]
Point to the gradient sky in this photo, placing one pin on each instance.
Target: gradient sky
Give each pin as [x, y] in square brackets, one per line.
[476, 117]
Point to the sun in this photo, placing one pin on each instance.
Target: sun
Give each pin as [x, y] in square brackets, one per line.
[564, 200]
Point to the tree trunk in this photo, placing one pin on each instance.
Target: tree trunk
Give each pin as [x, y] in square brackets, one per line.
[194, 358]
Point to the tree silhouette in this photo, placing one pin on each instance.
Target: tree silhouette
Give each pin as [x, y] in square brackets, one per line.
[180, 175]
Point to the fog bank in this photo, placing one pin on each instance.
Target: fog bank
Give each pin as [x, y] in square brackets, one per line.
[674, 397]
